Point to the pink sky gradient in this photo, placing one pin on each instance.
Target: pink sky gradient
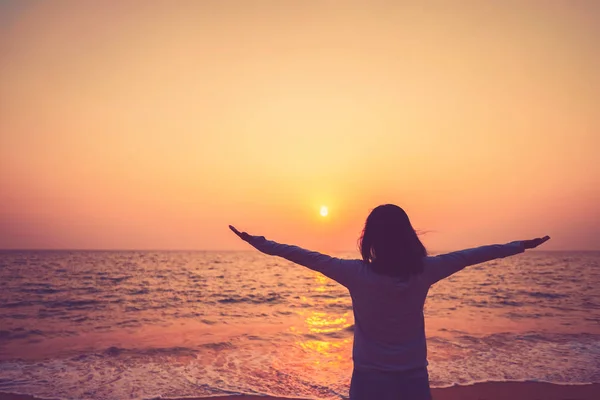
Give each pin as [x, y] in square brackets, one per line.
[154, 125]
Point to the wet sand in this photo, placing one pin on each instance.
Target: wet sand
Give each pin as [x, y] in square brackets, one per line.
[478, 391]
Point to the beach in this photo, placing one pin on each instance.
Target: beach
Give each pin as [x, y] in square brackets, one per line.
[144, 325]
[478, 391]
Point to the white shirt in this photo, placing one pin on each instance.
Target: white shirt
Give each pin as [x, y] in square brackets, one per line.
[389, 330]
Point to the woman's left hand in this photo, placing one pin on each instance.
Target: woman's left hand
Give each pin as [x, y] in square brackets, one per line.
[533, 243]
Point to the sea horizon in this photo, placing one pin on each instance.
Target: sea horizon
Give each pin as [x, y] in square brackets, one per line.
[253, 250]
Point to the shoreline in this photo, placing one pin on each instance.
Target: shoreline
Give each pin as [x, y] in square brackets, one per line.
[476, 391]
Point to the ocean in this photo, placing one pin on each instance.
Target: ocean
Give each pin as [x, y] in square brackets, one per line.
[148, 324]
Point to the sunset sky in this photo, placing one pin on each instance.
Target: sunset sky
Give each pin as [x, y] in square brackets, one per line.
[154, 125]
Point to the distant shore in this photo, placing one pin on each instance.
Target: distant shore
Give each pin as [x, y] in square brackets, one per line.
[478, 391]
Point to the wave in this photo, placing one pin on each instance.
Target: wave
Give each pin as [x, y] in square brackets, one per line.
[544, 295]
[115, 351]
[252, 299]
[19, 333]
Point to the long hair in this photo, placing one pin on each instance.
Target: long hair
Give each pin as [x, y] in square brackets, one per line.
[390, 245]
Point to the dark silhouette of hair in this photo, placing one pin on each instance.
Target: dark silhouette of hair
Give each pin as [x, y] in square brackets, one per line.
[390, 245]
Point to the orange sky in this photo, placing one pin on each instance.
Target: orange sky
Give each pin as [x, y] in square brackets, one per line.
[153, 125]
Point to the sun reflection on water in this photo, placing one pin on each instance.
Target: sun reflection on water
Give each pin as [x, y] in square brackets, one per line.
[321, 281]
[321, 322]
[323, 336]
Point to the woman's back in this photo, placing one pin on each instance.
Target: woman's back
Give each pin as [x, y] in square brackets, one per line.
[389, 331]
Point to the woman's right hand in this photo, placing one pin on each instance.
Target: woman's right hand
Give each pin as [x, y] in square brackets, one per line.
[533, 243]
[246, 237]
[242, 235]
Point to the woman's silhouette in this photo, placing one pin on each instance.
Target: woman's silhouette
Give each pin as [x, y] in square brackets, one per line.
[388, 289]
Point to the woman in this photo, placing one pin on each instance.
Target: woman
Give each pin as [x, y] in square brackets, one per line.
[388, 289]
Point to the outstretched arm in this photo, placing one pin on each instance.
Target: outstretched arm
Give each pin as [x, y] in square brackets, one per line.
[444, 265]
[335, 268]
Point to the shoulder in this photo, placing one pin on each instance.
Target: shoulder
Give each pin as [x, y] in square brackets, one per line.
[353, 264]
[356, 268]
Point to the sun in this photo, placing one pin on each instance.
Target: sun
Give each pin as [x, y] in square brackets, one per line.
[324, 211]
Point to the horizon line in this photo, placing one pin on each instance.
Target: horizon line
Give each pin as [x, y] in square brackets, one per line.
[234, 250]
